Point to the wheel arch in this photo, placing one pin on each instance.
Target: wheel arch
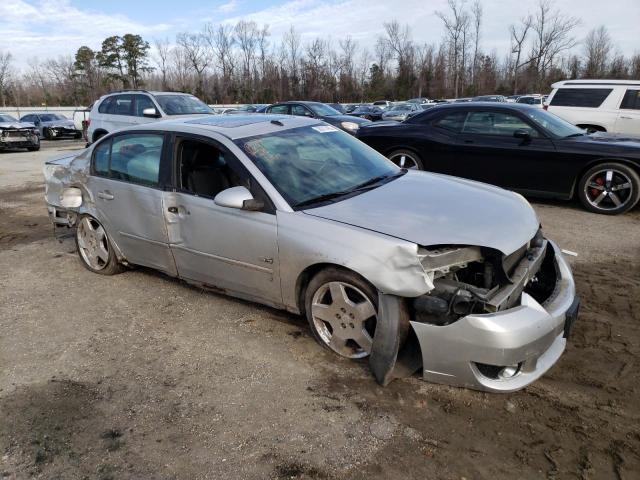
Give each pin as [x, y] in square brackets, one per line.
[311, 271]
[635, 166]
[97, 134]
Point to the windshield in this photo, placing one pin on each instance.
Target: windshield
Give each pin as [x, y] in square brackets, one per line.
[310, 162]
[182, 105]
[400, 107]
[50, 117]
[323, 110]
[554, 124]
[7, 118]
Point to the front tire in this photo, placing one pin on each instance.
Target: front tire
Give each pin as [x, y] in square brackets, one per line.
[94, 247]
[342, 310]
[609, 188]
[406, 159]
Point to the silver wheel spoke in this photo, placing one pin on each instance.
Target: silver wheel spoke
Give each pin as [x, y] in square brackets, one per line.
[402, 160]
[596, 186]
[599, 198]
[615, 199]
[365, 310]
[322, 312]
[622, 186]
[608, 177]
[338, 294]
[363, 339]
[339, 344]
[102, 253]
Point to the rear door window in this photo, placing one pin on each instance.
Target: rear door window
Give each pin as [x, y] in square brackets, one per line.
[453, 122]
[121, 105]
[580, 97]
[280, 109]
[631, 100]
[133, 158]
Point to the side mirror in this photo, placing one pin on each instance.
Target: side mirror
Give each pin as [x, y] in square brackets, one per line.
[150, 112]
[522, 134]
[237, 197]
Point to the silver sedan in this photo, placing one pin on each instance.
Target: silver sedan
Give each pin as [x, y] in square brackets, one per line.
[408, 269]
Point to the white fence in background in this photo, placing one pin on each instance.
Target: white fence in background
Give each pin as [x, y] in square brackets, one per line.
[18, 112]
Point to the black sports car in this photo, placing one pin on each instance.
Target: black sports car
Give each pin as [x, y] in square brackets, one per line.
[321, 111]
[518, 147]
[370, 112]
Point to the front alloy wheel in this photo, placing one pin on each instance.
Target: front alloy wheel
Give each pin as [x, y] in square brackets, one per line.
[609, 189]
[342, 314]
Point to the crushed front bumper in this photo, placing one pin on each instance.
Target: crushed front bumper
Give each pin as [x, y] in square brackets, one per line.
[528, 338]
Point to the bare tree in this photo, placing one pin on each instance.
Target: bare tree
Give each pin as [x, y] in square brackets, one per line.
[455, 25]
[552, 37]
[197, 56]
[518, 38]
[476, 11]
[162, 59]
[5, 74]
[291, 47]
[597, 49]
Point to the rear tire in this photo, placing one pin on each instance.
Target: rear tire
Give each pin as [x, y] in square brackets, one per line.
[406, 159]
[342, 311]
[94, 247]
[609, 188]
[47, 134]
[33, 149]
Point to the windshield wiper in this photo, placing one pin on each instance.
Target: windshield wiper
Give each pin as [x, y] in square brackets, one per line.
[578, 134]
[368, 185]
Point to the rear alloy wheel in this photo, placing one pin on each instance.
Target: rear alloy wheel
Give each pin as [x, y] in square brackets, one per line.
[406, 159]
[609, 188]
[342, 311]
[94, 248]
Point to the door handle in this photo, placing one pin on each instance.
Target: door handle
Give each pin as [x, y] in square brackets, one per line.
[106, 195]
[172, 209]
[626, 118]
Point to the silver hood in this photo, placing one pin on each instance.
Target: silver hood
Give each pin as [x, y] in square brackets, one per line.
[432, 209]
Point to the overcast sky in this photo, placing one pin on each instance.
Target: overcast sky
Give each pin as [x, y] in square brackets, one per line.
[49, 28]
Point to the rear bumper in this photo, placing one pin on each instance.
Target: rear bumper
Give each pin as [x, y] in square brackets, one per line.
[529, 336]
[30, 142]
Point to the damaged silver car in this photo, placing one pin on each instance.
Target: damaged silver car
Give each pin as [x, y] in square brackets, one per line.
[16, 134]
[408, 269]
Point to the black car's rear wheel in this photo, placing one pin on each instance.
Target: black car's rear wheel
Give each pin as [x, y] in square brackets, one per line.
[406, 159]
[609, 188]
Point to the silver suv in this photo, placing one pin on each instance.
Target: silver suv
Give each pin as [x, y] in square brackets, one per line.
[127, 108]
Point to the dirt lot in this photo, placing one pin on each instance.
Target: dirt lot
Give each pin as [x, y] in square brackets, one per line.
[140, 376]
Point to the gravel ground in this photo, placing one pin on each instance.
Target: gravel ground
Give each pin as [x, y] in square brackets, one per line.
[141, 376]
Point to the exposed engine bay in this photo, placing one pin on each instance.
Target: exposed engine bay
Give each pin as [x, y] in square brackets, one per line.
[476, 280]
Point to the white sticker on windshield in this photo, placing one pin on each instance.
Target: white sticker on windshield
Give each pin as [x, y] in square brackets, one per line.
[325, 129]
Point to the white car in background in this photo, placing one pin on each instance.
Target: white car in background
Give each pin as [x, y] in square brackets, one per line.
[598, 105]
[128, 108]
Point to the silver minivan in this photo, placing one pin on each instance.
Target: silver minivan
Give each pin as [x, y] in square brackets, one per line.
[128, 108]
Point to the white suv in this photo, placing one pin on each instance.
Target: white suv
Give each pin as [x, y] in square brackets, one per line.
[598, 105]
[127, 108]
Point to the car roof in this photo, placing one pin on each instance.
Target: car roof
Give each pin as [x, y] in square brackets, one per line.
[478, 106]
[594, 83]
[233, 126]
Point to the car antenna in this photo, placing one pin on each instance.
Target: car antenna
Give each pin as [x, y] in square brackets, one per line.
[277, 122]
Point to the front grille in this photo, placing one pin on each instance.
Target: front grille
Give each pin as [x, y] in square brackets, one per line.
[16, 133]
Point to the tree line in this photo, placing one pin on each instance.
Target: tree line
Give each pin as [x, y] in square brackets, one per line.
[241, 63]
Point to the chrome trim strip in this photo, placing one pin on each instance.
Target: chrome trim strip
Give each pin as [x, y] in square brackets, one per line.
[225, 259]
